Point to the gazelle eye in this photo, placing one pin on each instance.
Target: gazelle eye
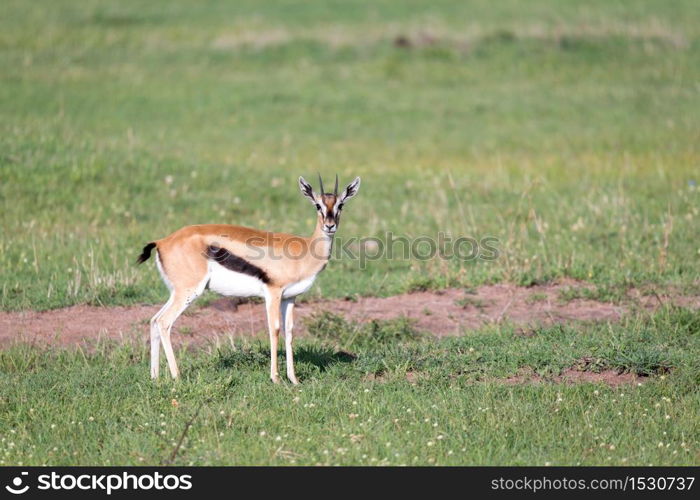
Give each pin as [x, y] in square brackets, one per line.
[340, 207]
[318, 207]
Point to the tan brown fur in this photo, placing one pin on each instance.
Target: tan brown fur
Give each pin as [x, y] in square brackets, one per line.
[187, 247]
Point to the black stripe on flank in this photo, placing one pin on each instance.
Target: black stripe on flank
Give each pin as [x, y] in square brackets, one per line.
[235, 263]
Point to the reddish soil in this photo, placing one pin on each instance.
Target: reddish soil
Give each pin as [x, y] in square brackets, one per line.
[567, 376]
[446, 312]
[574, 376]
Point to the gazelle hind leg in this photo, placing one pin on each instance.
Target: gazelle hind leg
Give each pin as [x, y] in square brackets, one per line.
[288, 323]
[155, 340]
[180, 301]
[272, 305]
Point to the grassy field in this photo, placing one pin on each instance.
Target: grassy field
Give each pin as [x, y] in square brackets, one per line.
[392, 397]
[569, 131]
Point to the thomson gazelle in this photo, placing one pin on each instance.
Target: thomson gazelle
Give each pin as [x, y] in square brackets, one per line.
[242, 262]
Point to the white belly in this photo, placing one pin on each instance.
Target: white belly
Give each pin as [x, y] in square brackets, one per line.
[233, 284]
[298, 288]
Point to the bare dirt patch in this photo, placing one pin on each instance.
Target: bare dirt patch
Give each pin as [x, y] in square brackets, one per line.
[444, 312]
[574, 376]
[526, 376]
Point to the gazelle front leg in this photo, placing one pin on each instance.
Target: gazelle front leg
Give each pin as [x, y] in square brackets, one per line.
[273, 299]
[288, 322]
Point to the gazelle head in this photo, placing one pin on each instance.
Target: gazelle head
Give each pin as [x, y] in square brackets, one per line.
[329, 205]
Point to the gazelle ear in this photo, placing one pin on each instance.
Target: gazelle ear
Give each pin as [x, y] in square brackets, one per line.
[306, 189]
[351, 190]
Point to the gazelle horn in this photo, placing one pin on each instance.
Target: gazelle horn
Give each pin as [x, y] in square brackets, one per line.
[320, 181]
[335, 191]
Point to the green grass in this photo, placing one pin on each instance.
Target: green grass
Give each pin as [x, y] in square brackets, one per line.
[601, 293]
[536, 297]
[467, 302]
[568, 131]
[384, 396]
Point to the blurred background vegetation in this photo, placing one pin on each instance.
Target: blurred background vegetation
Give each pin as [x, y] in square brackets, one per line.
[568, 130]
